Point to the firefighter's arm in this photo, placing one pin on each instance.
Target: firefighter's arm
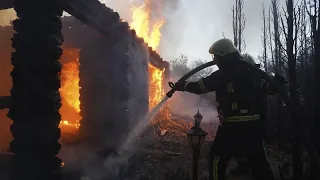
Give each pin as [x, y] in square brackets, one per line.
[268, 88]
[204, 85]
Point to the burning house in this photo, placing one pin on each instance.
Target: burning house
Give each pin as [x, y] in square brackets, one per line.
[106, 85]
[111, 77]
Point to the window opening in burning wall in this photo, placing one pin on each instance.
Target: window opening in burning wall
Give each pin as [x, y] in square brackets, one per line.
[156, 93]
[70, 91]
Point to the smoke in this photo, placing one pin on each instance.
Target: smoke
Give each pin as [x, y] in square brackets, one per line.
[122, 7]
[185, 104]
[87, 164]
[91, 165]
[162, 7]
[168, 10]
[112, 165]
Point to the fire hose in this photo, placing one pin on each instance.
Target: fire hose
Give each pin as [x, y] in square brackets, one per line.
[186, 76]
[279, 89]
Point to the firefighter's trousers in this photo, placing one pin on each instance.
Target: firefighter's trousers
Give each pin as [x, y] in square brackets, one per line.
[243, 139]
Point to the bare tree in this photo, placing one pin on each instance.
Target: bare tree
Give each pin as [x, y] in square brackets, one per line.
[277, 42]
[278, 68]
[303, 36]
[238, 24]
[312, 11]
[317, 77]
[290, 29]
[179, 66]
[291, 47]
[304, 63]
[270, 38]
[264, 39]
[314, 15]
[235, 23]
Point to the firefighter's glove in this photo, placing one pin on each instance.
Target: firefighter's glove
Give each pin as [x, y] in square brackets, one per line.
[280, 79]
[179, 86]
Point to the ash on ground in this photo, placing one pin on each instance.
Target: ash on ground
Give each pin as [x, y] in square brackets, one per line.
[170, 158]
[166, 157]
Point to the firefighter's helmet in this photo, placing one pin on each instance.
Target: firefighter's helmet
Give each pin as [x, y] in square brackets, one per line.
[223, 47]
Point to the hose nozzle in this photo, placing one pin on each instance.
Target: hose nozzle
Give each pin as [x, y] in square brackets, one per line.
[186, 76]
[173, 89]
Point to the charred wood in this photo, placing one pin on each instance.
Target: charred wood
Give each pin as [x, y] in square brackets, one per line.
[35, 96]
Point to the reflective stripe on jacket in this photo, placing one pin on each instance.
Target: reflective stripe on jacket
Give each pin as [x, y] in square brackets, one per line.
[242, 118]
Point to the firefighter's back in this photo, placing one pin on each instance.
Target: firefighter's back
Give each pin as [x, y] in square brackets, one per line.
[238, 98]
[238, 95]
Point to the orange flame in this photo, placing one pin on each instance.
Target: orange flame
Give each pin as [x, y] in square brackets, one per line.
[70, 91]
[151, 33]
[70, 87]
[141, 23]
[156, 91]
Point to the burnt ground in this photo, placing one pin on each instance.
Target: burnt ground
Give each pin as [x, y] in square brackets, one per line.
[170, 158]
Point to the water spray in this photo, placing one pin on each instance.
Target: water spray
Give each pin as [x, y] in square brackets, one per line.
[115, 161]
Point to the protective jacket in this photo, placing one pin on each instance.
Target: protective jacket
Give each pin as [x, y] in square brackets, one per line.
[241, 95]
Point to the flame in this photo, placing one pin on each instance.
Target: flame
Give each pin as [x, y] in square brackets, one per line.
[70, 91]
[141, 23]
[156, 91]
[163, 122]
[150, 31]
[7, 16]
[70, 87]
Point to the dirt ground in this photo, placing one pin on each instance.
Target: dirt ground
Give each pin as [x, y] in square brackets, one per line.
[170, 158]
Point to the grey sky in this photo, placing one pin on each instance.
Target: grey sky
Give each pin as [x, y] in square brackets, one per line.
[193, 25]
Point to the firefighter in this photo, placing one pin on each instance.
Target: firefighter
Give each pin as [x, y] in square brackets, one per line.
[243, 163]
[238, 93]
